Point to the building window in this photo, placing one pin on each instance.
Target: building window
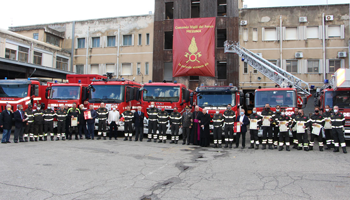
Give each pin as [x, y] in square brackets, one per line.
[138, 69]
[110, 41]
[291, 33]
[195, 8]
[245, 35]
[37, 59]
[95, 69]
[270, 34]
[334, 31]
[95, 42]
[79, 69]
[146, 68]
[23, 54]
[169, 10]
[51, 39]
[245, 68]
[168, 43]
[81, 43]
[221, 37]
[222, 5]
[127, 40]
[292, 66]
[334, 65]
[221, 70]
[61, 63]
[10, 54]
[126, 69]
[36, 36]
[255, 34]
[312, 32]
[313, 66]
[110, 68]
[140, 39]
[147, 38]
[255, 71]
[168, 71]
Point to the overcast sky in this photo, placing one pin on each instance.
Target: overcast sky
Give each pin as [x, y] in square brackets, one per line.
[25, 12]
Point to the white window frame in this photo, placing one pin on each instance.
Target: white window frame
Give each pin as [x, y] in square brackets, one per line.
[75, 68]
[148, 38]
[291, 68]
[245, 34]
[263, 33]
[146, 68]
[132, 40]
[138, 69]
[121, 69]
[255, 38]
[139, 39]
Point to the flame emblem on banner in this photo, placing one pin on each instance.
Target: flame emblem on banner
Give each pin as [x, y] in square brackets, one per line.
[193, 56]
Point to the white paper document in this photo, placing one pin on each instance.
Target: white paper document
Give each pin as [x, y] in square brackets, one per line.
[253, 124]
[316, 129]
[327, 124]
[74, 121]
[266, 121]
[283, 127]
[300, 127]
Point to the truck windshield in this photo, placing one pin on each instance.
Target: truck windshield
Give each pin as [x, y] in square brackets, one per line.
[18, 91]
[161, 93]
[284, 98]
[216, 99]
[107, 93]
[65, 92]
[339, 98]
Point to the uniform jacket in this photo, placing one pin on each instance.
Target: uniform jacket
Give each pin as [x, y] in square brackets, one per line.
[257, 117]
[245, 123]
[29, 114]
[218, 120]
[102, 113]
[229, 116]
[186, 119]
[6, 119]
[73, 112]
[163, 117]
[175, 118]
[138, 119]
[38, 116]
[128, 116]
[152, 114]
[61, 115]
[267, 113]
[49, 115]
[18, 119]
[284, 118]
[338, 120]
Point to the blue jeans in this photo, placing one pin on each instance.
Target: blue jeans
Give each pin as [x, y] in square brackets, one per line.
[6, 135]
[91, 128]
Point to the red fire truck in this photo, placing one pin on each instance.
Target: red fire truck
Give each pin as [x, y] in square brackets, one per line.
[337, 92]
[22, 92]
[217, 97]
[166, 95]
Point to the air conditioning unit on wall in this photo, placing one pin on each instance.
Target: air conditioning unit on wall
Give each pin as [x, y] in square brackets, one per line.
[329, 17]
[302, 19]
[244, 22]
[341, 54]
[299, 55]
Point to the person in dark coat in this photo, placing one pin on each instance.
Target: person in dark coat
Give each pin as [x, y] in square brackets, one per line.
[138, 122]
[82, 122]
[196, 129]
[20, 122]
[205, 133]
[244, 121]
[6, 124]
[91, 123]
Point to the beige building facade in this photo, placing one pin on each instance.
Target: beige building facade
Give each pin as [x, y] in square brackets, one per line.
[311, 42]
[121, 45]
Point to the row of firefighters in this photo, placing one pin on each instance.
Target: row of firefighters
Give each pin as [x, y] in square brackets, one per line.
[39, 125]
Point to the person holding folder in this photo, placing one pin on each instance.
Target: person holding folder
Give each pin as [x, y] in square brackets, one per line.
[302, 122]
[242, 121]
[317, 121]
[255, 124]
[283, 123]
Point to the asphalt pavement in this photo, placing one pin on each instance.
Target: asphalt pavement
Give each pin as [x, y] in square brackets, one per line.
[117, 169]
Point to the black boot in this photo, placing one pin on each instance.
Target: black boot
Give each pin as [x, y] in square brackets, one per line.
[344, 150]
[287, 148]
[40, 139]
[36, 139]
[226, 145]
[295, 146]
[26, 139]
[99, 137]
[52, 138]
[57, 138]
[149, 140]
[219, 146]
[31, 139]
[270, 146]
[45, 138]
[336, 149]
[264, 146]
[230, 145]
[257, 147]
[126, 138]
[275, 146]
[155, 140]
[251, 146]
[164, 141]
[104, 138]
[215, 146]
[172, 142]
[130, 138]
[311, 148]
[280, 149]
[306, 148]
[321, 148]
[328, 147]
[300, 148]
[159, 141]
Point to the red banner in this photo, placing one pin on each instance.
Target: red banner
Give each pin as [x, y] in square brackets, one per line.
[194, 47]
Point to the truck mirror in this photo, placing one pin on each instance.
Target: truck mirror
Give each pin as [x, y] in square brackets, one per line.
[304, 100]
[247, 101]
[84, 94]
[36, 90]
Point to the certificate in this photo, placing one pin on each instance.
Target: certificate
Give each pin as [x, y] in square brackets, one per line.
[300, 127]
[87, 115]
[327, 124]
[74, 121]
[316, 129]
[237, 128]
[283, 127]
[266, 121]
[253, 124]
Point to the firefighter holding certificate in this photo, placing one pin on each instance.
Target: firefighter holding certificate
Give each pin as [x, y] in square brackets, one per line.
[338, 122]
[317, 121]
[282, 123]
[302, 122]
[255, 123]
[266, 126]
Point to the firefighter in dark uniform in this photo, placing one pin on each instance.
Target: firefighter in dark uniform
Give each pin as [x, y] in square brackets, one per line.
[284, 134]
[66, 107]
[230, 118]
[218, 120]
[72, 113]
[61, 115]
[186, 124]
[38, 123]
[30, 123]
[328, 129]
[254, 132]
[162, 121]
[338, 122]
[302, 136]
[152, 122]
[276, 129]
[267, 131]
[294, 128]
[175, 123]
[102, 113]
[49, 116]
[128, 118]
[316, 118]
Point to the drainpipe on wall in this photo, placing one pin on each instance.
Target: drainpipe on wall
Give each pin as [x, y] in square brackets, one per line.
[72, 51]
[281, 40]
[87, 52]
[324, 48]
[118, 43]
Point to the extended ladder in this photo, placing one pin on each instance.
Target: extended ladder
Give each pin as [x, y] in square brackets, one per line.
[274, 73]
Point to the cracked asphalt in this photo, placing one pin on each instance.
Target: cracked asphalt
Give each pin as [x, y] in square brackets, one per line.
[133, 170]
